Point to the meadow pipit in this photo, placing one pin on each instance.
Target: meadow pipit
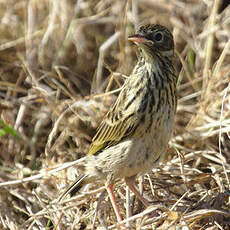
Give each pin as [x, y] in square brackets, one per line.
[135, 133]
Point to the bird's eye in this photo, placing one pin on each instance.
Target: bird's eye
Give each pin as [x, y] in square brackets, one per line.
[158, 36]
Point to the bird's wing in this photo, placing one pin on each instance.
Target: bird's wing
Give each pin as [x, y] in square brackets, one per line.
[119, 123]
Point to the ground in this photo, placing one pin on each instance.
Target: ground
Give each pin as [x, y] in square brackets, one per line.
[62, 64]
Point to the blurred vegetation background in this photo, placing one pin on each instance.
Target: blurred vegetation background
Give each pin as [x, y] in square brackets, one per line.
[62, 64]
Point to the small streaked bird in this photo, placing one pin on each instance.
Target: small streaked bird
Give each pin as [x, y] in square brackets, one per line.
[135, 132]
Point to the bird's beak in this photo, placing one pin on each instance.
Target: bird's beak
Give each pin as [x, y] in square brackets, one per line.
[137, 38]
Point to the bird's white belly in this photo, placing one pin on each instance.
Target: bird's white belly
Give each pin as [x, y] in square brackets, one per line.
[132, 156]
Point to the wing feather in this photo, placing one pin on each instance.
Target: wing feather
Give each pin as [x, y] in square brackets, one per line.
[116, 126]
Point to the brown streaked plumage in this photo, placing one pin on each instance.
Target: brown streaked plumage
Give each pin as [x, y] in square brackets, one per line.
[135, 132]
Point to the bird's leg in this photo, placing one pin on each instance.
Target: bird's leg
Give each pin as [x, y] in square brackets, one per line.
[130, 181]
[113, 201]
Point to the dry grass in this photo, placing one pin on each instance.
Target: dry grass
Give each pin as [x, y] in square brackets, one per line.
[61, 65]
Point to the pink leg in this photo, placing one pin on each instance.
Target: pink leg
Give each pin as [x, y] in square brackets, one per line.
[113, 201]
[130, 181]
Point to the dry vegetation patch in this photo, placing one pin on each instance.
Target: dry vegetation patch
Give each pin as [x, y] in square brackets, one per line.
[62, 64]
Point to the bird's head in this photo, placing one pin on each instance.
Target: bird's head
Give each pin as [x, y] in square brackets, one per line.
[154, 40]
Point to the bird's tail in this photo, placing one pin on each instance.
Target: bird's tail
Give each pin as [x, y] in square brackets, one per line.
[73, 188]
